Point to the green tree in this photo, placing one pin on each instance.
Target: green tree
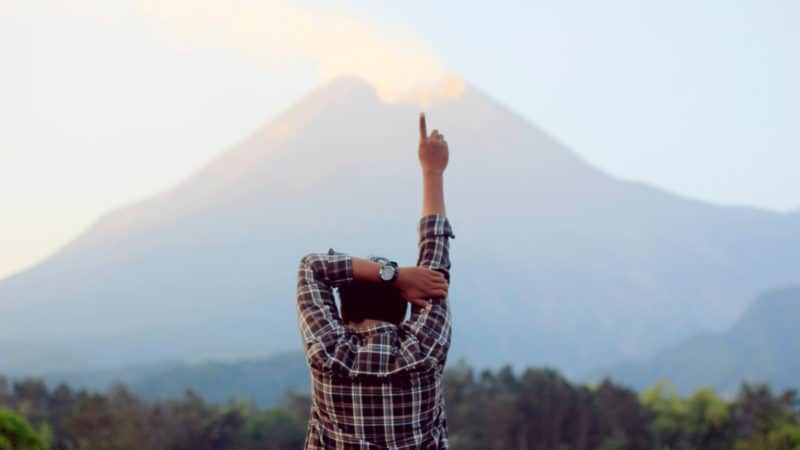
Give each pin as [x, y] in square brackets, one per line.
[765, 421]
[709, 422]
[668, 416]
[466, 407]
[31, 399]
[115, 421]
[274, 429]
[17, 434]
[704, 421]
[190, 423]
[4, 394]
[616, 411]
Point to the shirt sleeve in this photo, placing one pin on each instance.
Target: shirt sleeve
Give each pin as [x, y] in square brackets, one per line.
[426, 335]
[419, 343]
[327, 341]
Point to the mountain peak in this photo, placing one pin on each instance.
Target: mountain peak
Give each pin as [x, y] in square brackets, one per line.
[347, 83]
[423, 94]
[427, 94]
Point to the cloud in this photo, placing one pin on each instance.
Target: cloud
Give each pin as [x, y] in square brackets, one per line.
[394, 60]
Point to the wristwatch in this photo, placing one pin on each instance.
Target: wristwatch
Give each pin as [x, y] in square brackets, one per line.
[388, 270]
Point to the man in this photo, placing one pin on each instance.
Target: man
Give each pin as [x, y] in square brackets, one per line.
[376, 378]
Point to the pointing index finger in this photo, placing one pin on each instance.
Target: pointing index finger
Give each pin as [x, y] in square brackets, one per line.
[423, 127]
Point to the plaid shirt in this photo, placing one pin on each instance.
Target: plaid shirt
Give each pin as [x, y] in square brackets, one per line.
[378, 387]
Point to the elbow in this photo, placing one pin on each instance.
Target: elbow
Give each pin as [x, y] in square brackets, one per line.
[311, 266]
[310, 260]
[306, 259]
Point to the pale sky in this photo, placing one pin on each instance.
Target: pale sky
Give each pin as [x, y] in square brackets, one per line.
[103, 102]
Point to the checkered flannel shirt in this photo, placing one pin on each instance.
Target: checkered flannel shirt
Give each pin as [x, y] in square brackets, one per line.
[378, 387]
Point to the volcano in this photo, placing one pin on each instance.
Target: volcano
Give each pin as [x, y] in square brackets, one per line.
[555, 262]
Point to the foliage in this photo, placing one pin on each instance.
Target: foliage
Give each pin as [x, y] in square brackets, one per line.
[702, 421]
[536, 409]
[17, 434]
[540, 410]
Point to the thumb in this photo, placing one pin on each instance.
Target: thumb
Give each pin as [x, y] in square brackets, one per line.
[422, 304]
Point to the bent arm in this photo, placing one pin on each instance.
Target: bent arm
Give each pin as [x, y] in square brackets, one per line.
[332, 347]
[426, 334]
[321, 327]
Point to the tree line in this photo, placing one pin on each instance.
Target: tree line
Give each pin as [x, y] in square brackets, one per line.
[536, 409]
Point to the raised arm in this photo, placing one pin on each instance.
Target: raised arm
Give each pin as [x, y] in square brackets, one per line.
[434, 228]
[431, 329]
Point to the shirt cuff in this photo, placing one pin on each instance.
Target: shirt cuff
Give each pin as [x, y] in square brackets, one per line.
[339, 267]
[434, 225]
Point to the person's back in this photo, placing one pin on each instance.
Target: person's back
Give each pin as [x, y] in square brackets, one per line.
[375, 383]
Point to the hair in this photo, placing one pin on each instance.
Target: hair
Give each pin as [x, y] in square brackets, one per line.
[367, 300]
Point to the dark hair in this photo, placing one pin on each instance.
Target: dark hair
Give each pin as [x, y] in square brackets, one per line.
[365, 300]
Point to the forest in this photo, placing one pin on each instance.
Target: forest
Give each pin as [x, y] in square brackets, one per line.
[535, 409]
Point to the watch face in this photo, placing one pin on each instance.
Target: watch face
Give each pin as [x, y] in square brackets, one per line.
[387, 272]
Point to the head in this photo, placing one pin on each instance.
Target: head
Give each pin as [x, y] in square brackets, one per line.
[379, 301]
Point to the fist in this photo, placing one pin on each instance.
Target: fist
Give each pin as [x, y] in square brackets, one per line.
[416, 284]
[433, 151]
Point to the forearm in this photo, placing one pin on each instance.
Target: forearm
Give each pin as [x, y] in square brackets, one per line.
[433, 193]
[333, 268]
[366, 270]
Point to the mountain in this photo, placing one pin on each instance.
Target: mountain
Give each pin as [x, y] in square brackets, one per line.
[555, 262]
[762, 346]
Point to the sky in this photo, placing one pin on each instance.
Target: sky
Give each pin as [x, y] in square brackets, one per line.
[104, 102]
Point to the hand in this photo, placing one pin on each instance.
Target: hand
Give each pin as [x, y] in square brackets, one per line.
[418, 283]
[433, 151]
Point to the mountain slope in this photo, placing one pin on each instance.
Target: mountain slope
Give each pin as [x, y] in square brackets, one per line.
[555, 262]
[762, 346]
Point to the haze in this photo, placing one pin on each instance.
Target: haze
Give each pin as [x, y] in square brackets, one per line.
[104, 103]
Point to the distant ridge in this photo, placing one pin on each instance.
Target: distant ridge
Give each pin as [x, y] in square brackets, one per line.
[264, 381]
[762, 346]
